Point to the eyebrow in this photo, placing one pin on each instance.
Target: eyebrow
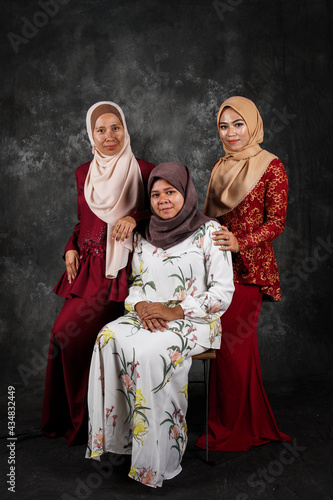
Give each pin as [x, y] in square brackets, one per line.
[164, 189]
[103, 126]
[234, 121]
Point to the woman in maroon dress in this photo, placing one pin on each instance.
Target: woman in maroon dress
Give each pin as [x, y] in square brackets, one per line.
[247, 194]
[110, 187]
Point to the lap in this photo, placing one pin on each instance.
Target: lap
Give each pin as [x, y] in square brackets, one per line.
[127, 333]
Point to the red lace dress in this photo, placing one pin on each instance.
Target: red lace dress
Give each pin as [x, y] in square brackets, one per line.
[240, 415]
[92, 300]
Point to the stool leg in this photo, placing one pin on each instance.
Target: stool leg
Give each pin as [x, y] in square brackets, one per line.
[206, 379]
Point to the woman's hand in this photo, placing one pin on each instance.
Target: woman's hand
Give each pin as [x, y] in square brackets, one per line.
[72, 264]
[155, 315]
[226, 240]
[124, 228]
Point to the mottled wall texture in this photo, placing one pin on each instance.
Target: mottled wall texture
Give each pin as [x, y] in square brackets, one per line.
[169, 65]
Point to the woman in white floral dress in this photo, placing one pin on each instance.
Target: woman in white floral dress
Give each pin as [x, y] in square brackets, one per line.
[181, 285]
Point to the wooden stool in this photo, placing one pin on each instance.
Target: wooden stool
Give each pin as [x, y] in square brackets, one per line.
[205, 358]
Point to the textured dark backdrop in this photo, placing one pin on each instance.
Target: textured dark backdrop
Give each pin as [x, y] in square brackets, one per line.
[169, 65]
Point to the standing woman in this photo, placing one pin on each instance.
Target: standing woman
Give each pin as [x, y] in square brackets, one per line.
[247, 194]
[110, 187]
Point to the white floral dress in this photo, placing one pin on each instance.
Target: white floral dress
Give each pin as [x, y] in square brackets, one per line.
[137, 396]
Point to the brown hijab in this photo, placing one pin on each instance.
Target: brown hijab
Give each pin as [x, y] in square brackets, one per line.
[167, 233]
[235, 175]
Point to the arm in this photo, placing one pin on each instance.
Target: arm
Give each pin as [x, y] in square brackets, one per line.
[71, 254]
[137, 300]
[275, 209]
[126, 225]
[210, 305]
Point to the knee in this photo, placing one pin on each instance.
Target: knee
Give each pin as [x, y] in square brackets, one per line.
[64, 331]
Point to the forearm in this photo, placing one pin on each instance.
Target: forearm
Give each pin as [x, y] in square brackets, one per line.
[266, 233]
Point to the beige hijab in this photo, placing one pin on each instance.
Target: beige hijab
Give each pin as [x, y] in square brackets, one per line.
[113, 187]
[235, 175]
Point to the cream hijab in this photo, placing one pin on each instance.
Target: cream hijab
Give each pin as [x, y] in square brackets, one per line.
[235, 175]
[113, 187]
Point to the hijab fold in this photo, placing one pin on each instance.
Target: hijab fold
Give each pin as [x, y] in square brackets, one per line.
[236, 174]
[165, 233]
[113, 187]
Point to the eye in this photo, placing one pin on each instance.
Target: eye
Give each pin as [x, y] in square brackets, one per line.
[100, 130]
[171, 191]
[115, 128]
[239, 124]
[223, 127]
[154, 195]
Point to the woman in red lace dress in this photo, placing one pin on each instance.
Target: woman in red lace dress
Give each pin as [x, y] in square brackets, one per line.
[109, 187]
[247, 194]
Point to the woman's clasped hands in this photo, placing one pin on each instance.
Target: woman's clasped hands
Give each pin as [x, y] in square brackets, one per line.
[155, 315]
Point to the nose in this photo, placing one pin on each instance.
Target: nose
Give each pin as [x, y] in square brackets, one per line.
[163, 198]
[231, 130]
[109, 134]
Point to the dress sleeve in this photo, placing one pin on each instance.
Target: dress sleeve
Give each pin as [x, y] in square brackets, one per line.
[207, 307]
[275, 208]
[136, 293]
[72, 242]
[145, 214]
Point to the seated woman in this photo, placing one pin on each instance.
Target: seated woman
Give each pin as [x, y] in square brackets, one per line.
[181, 285]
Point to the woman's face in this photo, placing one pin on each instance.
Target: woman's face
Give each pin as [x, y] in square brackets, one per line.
[233, 130]
[109, 134]
[165, 200]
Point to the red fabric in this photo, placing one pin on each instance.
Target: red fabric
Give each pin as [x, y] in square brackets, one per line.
[240, 415]
[72, 340]
[91, 301]
[89, 239]
[256, 222]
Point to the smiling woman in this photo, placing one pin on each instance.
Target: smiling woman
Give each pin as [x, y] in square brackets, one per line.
[247, 194]
[111, 199]
[233, 130]
[180, 286]
[165, 200]
[109, 134]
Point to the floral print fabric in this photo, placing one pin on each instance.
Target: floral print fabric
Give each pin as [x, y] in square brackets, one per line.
[137, 394]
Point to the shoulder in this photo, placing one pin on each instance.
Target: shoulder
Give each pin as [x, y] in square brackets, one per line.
[212, 225]
[206, 229]
[82, 170]
[138, 240]
[276, 171]
[145, 166]
[211, 170]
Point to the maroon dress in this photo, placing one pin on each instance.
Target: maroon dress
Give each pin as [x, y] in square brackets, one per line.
[240, 415]
[92, 300]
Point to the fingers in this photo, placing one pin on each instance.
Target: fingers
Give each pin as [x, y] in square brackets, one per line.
[222, 238]
[153, 325]
[226, 240]
[154, 310]
[72, 264]
[72, 269]
[71, 274]
[123, 229]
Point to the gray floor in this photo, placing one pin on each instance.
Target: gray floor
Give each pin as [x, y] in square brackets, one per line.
[48, 469]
